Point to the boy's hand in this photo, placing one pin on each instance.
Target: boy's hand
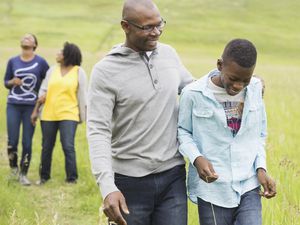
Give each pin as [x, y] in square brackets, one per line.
[267, 182]
[205, 170]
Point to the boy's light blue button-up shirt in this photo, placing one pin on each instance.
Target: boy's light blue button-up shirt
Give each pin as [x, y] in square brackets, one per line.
[203, 131]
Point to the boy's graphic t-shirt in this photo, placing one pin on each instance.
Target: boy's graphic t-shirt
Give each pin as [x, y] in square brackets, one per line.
[233, 106]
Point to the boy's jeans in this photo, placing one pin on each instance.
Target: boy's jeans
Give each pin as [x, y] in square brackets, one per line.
[247, 213]
[156, 199]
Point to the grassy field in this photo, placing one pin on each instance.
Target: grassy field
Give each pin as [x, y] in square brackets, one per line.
[198, 30]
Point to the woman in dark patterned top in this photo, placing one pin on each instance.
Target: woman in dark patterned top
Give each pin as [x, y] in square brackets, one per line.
[23, 77]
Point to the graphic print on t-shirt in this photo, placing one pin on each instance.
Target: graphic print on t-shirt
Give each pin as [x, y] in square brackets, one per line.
[233, 111]
[25, 91]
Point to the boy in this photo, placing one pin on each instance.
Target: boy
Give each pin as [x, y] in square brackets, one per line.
[222, 130]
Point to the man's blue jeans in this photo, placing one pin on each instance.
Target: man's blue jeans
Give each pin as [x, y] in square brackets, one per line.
[67, 130]
[17, 115]
[156, 199]
[247, 213]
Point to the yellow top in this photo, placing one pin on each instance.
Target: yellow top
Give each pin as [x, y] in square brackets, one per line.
[61, 98]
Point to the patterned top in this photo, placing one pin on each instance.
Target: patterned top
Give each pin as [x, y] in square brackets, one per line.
[31, 73]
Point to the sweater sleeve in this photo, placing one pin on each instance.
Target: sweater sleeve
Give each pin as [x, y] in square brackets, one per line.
[100, 105]
[82, 94]
[8, 74]
[45, 68]
[185, 76]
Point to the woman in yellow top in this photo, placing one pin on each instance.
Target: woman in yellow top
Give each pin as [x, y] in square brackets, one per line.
[63, 96]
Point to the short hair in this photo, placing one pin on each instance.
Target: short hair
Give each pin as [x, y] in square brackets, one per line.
[241, 51]
[72, 54]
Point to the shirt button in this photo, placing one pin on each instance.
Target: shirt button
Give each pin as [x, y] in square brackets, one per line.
[155, 81]
[150, 66]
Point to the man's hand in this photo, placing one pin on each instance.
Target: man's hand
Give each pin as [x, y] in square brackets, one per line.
[113, 204]
[205, 170]
[267, 182]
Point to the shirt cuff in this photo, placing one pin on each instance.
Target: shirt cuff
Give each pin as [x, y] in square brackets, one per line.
[6, 83]
[260, 162]
[107, 187]
[190, 150]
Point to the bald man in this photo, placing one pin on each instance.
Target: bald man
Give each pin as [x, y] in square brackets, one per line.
[131, 124]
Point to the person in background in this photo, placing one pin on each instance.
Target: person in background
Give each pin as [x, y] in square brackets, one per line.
[222, 131]
[23, 77]
[63, 96]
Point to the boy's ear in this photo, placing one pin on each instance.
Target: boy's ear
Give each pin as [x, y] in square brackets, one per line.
[220, 64]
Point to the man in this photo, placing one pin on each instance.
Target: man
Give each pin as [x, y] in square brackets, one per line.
[131, 124]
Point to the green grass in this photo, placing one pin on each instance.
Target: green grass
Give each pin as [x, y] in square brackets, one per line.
[198, 30]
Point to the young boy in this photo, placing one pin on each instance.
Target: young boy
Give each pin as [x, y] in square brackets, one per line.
[222, 131]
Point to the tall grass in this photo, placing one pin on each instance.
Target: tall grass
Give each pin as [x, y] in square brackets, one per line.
[198, 30]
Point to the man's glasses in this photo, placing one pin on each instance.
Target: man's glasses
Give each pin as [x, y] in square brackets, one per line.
[148, 28]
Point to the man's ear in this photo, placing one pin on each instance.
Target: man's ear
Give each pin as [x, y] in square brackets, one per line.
[220, 64]
[125, 26]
